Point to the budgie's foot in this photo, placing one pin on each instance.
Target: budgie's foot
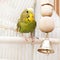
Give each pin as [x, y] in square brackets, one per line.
[23, 35]
[26, 39]
[32, 37]
[32, 40]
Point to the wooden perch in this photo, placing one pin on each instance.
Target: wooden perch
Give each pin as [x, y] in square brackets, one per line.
[4, 39]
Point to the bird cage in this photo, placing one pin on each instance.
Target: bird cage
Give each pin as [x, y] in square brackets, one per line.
[12, 45]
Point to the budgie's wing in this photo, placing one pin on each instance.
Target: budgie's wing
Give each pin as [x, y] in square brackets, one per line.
[26, 27]
[32, 26]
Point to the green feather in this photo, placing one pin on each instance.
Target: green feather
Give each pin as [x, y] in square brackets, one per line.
[26, 27]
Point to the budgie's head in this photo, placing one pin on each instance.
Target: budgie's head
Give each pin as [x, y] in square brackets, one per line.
[27, 15]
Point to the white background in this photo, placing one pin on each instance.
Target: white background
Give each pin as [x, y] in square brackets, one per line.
[10, 11]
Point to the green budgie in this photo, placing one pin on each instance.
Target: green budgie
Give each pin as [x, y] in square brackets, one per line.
[26, 22]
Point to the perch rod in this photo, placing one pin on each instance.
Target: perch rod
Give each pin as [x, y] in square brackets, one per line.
[5, 39]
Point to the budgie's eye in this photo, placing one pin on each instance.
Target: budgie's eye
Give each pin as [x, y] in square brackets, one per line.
[27, 11]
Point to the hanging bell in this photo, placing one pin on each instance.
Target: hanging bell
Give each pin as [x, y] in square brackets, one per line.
[46, 47]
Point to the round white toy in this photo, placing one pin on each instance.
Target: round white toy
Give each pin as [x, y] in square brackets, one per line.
[46, 24]
[46, 10]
